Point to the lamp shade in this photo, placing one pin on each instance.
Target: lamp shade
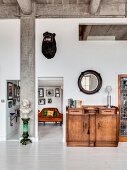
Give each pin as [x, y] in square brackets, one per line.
[108, 89]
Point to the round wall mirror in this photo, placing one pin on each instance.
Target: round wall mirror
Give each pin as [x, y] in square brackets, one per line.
[89, 82]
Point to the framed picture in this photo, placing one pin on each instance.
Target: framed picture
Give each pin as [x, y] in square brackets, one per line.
[14, 102]
[9, 90]
[57, 92]
[18, 98]
[14, 90]
[18, 91]
[9, 104]
[49, 92]
[49, 101]
[41, 92]
[57, 95]
[41, 102]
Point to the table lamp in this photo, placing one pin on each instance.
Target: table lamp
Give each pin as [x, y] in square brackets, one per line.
[108, 90]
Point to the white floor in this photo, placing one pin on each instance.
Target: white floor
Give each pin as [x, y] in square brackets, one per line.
[50, 132]
[14, 137]
[50, 154]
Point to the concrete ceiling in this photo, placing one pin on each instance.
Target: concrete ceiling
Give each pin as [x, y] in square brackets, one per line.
[63, 1]
[118, 31]
[51, 1]
[63, 8]
[9, 1]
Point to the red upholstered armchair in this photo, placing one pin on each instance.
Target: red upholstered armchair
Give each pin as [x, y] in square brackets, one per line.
[50, 115]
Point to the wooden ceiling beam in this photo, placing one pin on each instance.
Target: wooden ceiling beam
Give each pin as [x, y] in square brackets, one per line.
[26, 6]
[94, 5]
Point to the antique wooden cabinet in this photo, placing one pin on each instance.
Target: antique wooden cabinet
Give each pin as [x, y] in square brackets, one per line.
[92, 126]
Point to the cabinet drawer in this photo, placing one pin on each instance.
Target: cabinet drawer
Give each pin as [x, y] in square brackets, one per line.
[107, 111]
[75, 111]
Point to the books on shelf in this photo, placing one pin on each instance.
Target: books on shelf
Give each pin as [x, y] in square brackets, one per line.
[74, 103]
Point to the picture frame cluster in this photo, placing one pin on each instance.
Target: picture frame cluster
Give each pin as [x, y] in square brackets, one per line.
[47, 94]
[13, 94]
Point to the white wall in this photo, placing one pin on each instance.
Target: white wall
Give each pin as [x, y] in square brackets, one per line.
[9, 63]
[109, 58]
[56, 101]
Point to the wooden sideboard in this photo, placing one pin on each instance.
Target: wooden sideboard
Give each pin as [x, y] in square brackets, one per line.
[92, 126]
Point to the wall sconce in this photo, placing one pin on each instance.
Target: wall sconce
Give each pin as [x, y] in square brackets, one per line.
[108, 90]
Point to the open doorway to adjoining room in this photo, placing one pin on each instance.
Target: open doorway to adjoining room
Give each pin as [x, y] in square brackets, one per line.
[50, 109]
[13, 109]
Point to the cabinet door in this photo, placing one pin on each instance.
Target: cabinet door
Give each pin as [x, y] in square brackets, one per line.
[77, 128]
[106, 128]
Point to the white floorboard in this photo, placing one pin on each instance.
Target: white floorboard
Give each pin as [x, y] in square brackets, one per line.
[50, 132]
[51, 154]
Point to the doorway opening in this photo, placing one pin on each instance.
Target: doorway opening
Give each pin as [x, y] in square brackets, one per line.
[50, 109]
[13, 110]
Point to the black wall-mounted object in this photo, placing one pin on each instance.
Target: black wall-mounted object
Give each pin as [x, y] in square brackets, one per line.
[89, 82]
[49, 45]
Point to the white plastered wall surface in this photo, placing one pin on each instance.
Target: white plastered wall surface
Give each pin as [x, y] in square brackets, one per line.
[73, 56]
[9, 63]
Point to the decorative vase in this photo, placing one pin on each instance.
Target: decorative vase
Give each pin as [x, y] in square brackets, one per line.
[25, 134]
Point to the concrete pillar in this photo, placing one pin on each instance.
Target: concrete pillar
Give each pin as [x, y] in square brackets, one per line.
[27, 66]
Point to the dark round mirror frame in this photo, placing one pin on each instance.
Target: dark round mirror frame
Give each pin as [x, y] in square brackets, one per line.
[99, 81]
